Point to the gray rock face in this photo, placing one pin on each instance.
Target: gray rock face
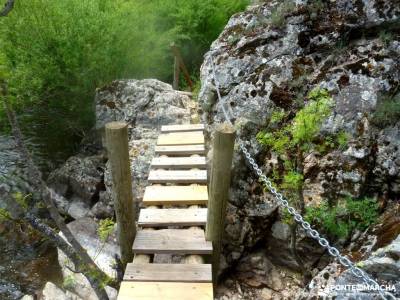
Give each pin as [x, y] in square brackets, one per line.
[145, 105]
[262, 64]
[77, 184]
[383, 265]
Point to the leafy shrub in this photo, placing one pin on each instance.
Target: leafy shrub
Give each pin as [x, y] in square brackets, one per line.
[55, 53]
[342, 219]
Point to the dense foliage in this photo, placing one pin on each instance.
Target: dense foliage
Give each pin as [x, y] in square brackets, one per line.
[57, 52]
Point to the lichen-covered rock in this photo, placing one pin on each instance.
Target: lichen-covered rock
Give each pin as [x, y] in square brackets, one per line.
[145, 105]
[77, 184]
[269, 57]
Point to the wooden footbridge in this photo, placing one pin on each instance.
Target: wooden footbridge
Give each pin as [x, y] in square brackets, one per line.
[177, 245]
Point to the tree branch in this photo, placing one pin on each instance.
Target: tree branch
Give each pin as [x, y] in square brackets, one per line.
[47, 195]
[7, 8]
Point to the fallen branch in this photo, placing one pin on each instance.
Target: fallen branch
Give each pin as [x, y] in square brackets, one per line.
[7, 8]
[47, 196]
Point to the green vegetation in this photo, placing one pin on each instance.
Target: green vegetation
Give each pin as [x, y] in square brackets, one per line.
[340, 221]
[387, 111]
[55, 53]
[291, 141]
[278, 14]
[106, 226]
[69, 282]
[386, 37]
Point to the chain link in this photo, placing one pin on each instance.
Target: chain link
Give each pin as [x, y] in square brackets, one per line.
[281, 201]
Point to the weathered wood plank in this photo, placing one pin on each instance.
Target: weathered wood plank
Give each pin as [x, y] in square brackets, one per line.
[174, 241]
[187, 176]
[182, 128]
[181, 138]
[179, 162]
[165, 291]
[168, 272]
[172, 217]
[180, 150]
[176, 195]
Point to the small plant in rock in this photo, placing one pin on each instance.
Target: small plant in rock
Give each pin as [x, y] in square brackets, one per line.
[106, 226]
[387, 111]
[386, 37]
[341, 220]
[278, 13]
[69, 282]
[290, 140]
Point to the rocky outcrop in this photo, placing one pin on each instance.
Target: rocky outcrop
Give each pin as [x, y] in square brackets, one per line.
[268, 58]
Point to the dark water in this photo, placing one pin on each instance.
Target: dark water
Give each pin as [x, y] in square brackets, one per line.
[27, 261]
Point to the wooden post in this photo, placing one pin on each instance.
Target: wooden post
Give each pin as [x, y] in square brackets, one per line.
[118, 155]
[179, 63]
[177, 72]
[220, 180]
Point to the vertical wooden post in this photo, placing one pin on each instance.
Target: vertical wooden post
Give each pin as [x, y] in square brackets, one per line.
[118, 155]
[177, 71]
[220, 180]
[179, 64]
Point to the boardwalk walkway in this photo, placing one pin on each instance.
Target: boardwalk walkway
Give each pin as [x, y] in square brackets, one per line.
[170, 246]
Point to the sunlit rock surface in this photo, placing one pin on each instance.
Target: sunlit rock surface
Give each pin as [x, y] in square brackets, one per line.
[350, 48]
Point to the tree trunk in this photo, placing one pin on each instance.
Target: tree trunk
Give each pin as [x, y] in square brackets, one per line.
[8, 6]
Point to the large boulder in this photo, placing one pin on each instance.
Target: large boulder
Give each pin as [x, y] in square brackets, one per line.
[268, 58]
[77, 184]
[145, 105]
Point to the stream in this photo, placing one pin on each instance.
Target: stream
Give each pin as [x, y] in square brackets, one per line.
[27, 261]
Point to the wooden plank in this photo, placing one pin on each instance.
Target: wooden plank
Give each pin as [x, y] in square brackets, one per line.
[168, 272]
[180, 150]
[182, 128]
[187, 176]
[171, 241]
[176, 195]
[172, 217]
[179, 162]
[165, 291]
[181, 138]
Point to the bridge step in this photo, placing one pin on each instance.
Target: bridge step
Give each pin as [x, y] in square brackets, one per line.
[181, 138]
[187, 176]
[179, 162]
[180, 150]
[172, 217]
[171, 241]
[168, 272]
[182, 128]
[165, 291]
[176, 195]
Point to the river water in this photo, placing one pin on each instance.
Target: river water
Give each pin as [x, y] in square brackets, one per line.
[27, 261]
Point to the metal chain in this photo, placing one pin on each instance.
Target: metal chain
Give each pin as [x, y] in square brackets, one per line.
[333, 251]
